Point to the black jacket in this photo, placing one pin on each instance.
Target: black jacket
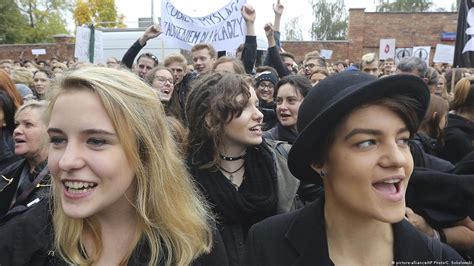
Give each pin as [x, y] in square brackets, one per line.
[9, 192]
[422, 149]
[458, 138]
[299, 238]
[30, 242]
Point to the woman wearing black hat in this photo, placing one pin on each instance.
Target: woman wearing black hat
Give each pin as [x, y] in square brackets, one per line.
[354, 132]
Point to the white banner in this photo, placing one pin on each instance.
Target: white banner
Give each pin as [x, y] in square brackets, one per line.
[38, 51]
[444, 54]
[81, 50]
[422, 52]
[387, 49]
[224, 29]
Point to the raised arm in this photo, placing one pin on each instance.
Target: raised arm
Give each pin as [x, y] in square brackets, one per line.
[249, 54]
[273, 53]
[151, 32]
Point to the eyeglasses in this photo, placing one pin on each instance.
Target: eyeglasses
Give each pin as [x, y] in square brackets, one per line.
[263, 86]
[164, 79]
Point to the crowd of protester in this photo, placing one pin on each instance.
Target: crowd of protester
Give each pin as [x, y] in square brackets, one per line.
[219, 161]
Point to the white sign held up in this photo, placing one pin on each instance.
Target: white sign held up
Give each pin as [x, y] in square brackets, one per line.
[326, 54]
[422, 52]
[224, 29]
[38, 51]
[81, 51]
[444, 54]
[387, 49]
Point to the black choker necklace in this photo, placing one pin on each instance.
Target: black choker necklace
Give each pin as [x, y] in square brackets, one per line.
[228, 158]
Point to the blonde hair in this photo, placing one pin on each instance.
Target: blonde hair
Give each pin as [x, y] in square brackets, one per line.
[22, 76]
[172, 215]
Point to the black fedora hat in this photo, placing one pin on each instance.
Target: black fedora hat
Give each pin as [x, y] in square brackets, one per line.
[336, 96]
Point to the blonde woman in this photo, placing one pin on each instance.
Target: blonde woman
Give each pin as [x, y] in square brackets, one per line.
[121, 193]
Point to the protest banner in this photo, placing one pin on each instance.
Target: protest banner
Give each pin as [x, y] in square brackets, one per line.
[422, 52]
[83, 44]
[224, 28]
[464, 49]
[444, 54]
[386, 49]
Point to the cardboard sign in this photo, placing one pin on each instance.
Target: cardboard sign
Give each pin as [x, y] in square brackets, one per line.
[224, 29]
[444, 54]
[387, 49]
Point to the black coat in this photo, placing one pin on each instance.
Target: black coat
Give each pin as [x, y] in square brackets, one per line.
[299, 238]
[13, 173]
[27, 239]
[458, 138]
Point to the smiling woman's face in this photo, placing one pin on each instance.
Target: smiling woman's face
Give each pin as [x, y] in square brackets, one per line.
[368, 165]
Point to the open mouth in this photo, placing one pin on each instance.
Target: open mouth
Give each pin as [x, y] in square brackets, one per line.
[19, 141]
[166, 91]
[256, 128]
[285, 115]
[390, 188]
[75, 187]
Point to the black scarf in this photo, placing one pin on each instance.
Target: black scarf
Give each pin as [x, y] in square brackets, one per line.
[256, 198]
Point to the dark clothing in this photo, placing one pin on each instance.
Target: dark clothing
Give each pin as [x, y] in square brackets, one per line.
[442, 198]
[131, 53]
[275, 61]
[22, 186]
[181, 91]
[269, 114]
[282, 133]
[249, 53]
[268, 189]
[31, 242]
[458, 138]
[422, 147]
[7, 150]
[299, 238]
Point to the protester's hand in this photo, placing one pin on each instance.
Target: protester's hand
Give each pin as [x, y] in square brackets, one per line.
[278, 8]
[418, 222]
[269, 31]
[248, 13]
[151, 32]
[459, 237]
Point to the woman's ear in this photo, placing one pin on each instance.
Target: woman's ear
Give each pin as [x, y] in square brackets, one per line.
[435, 114]
[319, 168]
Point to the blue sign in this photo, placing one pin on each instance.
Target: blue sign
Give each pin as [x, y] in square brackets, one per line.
[448, 36]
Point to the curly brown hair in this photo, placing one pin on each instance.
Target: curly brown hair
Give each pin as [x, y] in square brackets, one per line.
[211, 104]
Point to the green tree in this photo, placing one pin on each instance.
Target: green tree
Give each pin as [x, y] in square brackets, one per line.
[12, 23]
[330, 20]
[293, 30]
[101, 13]
[404, 5]
[44, 17]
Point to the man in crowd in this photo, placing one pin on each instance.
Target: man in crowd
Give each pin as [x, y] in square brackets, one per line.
[312, 63]
[413, 65]
[370, 64]
[204, 57]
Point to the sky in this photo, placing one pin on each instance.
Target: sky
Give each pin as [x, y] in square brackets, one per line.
[133, 9]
